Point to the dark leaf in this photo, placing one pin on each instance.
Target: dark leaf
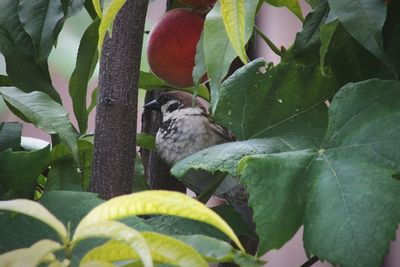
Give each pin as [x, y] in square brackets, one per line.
[10, 136]
[5, 81]
[364, 20]
[340, 188]
[85, 64]
[348, 60]
[18, 50]
[215, 250]
[257, 101]
[307, 41]
[40, 19]
[17, 181]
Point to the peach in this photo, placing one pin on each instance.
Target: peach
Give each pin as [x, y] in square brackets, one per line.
[172, 46]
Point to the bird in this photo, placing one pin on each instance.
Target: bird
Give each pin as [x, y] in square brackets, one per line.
[187, 128]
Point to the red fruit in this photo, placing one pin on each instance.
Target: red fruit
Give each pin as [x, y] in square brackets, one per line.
[172, 46]
[198, 2]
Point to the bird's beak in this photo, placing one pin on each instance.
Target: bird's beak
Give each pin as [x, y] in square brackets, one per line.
[153, 105]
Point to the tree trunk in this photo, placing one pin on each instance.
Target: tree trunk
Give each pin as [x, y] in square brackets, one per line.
[116, 112]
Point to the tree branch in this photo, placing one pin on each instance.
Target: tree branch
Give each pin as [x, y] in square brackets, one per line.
[115, 134]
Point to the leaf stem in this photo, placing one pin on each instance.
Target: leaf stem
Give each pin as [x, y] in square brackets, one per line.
[268, 41]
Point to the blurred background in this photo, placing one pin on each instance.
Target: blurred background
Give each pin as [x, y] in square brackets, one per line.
[279, 25]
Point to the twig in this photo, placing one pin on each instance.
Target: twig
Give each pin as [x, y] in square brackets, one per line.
[268, 41]
[310, 261]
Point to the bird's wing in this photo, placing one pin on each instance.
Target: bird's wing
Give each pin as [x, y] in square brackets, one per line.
[223, 132]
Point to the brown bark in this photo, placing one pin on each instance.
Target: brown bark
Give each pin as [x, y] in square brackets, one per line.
[116, 112]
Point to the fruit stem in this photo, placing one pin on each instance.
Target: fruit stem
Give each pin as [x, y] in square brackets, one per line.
[268, 41]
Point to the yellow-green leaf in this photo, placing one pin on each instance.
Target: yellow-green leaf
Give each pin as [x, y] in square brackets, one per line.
[97, 264]
[157, 202]
[97, 7]
[233, 16]
[164, 249]
[37, 211]
[108, 19]
[116, 231]
[29, 257]
[111, 251]
[172, 251]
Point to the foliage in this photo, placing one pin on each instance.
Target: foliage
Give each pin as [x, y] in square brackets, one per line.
[317, 138]
[127, 244]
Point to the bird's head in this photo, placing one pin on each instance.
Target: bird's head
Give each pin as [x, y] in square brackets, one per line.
[171, 101]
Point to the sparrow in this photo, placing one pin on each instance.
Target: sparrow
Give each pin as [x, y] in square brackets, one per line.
[186, 126]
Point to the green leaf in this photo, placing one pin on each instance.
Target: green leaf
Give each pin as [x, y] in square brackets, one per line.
[17, 48]
[393, 49]
[283, 190]
[215, 250]
[146, 141]
[364, 20]
[10, 136]
[347, 59]
[93, 100]
[313, 3]
[225, 157]
[12, 26]
[116, 231]
[36, 211]
[257, 101]
[19, 172]
[172, 251]
[326, 34]
[292, 5]
[97, 8]
[341, 186]
[44, 113]
[233, 16]
[309, 38]
[79, 204]
[218, 51]
[85, 64]
[64, 174]
[164, 249]
[157, 202]
[148, 81]
[30, 257]
[40, 19]
[199, 69]
[172, 225]
[5, 81]
[72, 7]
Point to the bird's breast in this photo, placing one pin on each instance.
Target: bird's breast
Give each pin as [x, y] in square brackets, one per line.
[179, 137]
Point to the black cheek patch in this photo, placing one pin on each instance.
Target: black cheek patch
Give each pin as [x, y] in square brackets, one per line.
[173, 106]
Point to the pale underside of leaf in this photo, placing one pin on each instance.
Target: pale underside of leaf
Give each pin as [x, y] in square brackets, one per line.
[30, 257]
